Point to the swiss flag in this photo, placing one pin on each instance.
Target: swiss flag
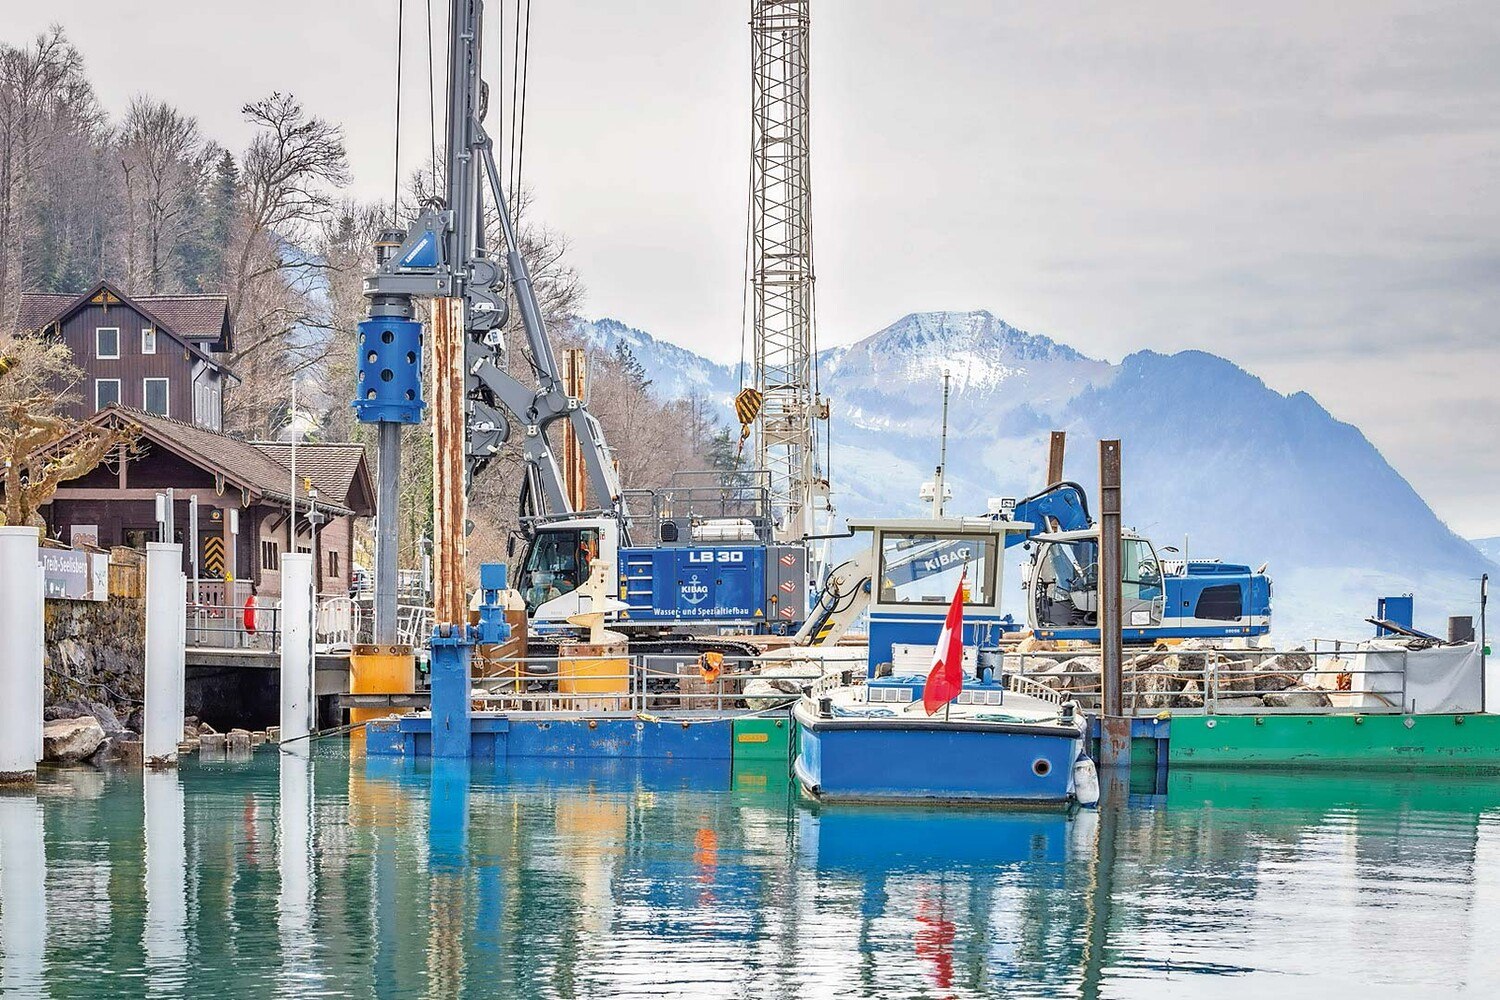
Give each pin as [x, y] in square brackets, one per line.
[947, 677]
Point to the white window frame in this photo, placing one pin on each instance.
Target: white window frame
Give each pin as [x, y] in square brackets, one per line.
[166, 399]
[119, 400]
[145, 332]
[97, 353]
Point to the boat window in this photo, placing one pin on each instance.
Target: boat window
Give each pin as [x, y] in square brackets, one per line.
[557, 563]
[925, 568]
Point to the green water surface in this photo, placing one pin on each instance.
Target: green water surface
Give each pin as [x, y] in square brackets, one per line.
[335, 877]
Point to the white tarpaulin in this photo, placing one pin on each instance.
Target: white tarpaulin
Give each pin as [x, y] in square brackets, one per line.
[1385, 673]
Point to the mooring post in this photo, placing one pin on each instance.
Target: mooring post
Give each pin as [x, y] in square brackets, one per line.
[1114, 727]
[452, 643]
[166, 653]
[296, 651]
[1055, 450]
[20, 659]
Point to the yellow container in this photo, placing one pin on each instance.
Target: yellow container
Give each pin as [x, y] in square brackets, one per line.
[379, 670]
[588, 669]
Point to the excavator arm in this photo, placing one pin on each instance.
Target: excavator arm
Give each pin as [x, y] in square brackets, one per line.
[1060, 507]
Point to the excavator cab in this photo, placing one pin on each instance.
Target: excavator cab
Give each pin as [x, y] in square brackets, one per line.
[1065, 582]
[558, 562]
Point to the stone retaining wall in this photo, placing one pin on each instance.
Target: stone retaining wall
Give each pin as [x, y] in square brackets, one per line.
[96, 655]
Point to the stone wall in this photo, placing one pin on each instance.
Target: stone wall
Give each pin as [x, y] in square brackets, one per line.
[96, 655]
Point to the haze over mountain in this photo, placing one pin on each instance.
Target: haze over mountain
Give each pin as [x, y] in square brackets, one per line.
[1214, 460]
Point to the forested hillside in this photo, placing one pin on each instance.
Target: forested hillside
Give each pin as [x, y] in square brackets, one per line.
[154, 202]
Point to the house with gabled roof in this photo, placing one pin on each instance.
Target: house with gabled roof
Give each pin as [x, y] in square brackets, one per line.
[161, 354]
[244, 493]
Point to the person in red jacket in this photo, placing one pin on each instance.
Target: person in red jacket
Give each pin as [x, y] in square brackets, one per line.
[249, 614]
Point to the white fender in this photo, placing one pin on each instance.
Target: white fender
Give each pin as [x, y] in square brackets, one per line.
[1085, 782]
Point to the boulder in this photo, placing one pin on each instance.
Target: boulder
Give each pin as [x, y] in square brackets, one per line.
[1031, 644]
[66, 741]
[1191, 696]
[79, 708]
[1297, 699]
[1240, 703]
[763, 692]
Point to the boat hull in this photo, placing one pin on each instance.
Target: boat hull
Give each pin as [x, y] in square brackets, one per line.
[885, 760]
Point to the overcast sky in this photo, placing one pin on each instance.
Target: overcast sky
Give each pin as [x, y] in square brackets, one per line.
[1305, 188]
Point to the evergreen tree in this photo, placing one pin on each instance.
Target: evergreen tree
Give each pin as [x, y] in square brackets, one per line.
[630, 366]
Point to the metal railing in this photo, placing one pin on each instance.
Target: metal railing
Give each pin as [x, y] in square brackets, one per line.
[219, 620]
[638, 684]
[224, 626]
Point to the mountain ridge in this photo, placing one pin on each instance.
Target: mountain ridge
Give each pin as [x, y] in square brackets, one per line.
[1213, 457]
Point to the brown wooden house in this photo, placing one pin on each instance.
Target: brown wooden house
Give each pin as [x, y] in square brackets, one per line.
[237, 484]
[160, 354]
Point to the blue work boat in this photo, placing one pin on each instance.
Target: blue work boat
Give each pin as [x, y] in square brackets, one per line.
[1004, 740]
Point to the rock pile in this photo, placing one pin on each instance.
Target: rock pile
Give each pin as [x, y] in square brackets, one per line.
[1175, 678]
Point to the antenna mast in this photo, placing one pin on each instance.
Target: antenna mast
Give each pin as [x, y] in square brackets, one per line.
[782, 267]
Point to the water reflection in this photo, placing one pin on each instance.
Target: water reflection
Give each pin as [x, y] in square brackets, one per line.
[294, 875]
[294, 852]
[164, 938]
[23, 896]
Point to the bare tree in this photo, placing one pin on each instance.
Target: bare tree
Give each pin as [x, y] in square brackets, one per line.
[288, 175]
[46, 104]
[164, 165]
[41, 449]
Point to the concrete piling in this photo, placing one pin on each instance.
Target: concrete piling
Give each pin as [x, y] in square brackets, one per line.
[166, 653]
[21, 682]
[296, 647]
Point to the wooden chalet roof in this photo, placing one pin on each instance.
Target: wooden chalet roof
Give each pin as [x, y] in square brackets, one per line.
[199, 317]
[239, 464]
[192, 320]
[338, 471]
[41, 309]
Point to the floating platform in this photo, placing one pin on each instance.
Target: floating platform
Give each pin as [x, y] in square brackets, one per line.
[681, 736]
[1465, 742]
[1454, 742]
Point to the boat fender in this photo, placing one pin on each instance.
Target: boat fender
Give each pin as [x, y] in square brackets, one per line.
[1085, 782]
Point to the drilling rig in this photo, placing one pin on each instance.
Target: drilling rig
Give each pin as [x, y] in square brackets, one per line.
[673, 566]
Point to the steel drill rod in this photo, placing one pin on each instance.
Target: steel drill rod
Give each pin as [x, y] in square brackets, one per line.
[387, 532]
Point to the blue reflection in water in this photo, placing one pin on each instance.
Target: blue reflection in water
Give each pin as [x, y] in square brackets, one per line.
[325, 876]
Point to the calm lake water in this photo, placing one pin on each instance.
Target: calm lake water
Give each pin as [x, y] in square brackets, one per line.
[332, 877]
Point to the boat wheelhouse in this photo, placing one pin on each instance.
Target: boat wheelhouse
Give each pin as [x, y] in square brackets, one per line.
[1002, 740]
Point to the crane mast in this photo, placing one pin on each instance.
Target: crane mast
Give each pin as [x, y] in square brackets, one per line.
[786, 431]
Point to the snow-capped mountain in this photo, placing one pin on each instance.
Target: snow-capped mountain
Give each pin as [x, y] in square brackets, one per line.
[675, 372]
[1214, 460]
[1490, 547]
